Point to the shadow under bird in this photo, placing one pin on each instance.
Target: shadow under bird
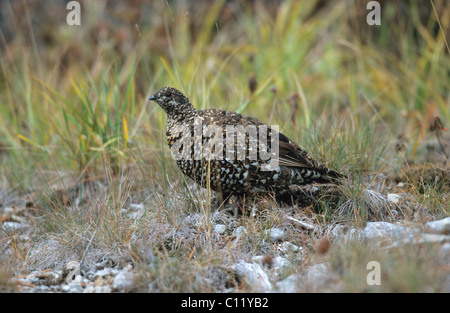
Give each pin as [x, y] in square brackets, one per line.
[235, 168]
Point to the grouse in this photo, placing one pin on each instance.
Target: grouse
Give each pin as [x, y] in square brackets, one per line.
[235, 154]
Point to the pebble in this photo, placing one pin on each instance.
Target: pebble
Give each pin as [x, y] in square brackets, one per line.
[72, 288]
[318, 276]
[124, 281]
[238, 232]
[97, 289]
[393, 197]
[432, 238]
[280, 263]
[14, 226]
[289, 247]
[290, 284]
[384, 232]
[105, 272]
[438, 227]
[220, 228]
[254, 276]
[276, 234]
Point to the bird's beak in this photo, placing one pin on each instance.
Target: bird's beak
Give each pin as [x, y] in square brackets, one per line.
[152, 97]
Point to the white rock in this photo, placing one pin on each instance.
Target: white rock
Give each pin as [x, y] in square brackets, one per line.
[124, 281]
[238, 232]
[105, 272]
[276, 234]
[81, 280]
[40, 289]
[289, 247]
[253, 275]
[220, 228]
[8, 211]
[290, 284]
[393, 197]
[72, 288]
[439, 226]
[318, 276]
[383, 232]
[432, 238]
[14, 226]
[280, 263]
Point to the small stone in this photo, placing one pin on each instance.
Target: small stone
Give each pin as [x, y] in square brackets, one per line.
[238, 232]
[102, 289]
[14, 226]
[289, 247]
[89, 289]
[393, 197]
[276, 234]
[124, 281]
[384, 232]
[253, 275]
[318, 276]
[105, 272]
[72, 288]
[432, 239]
[40, 289]
[439, 227]
[220, 228]
[290, 284]
[280, 263]
[81, 280]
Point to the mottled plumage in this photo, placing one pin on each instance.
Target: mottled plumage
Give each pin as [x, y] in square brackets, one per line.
[228, 171]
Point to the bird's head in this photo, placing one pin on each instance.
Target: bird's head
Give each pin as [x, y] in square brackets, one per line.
[173, 102]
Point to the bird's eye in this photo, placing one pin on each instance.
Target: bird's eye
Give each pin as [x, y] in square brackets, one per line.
[168, 94]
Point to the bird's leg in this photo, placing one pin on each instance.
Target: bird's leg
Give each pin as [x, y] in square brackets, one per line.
[240, 203]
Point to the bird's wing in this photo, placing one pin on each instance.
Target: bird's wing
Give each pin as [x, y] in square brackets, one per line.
[290, 154]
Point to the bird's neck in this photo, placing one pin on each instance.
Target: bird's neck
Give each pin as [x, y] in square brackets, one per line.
[186, 116]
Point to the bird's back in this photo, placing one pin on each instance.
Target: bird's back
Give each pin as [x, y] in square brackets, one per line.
[231, 153]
